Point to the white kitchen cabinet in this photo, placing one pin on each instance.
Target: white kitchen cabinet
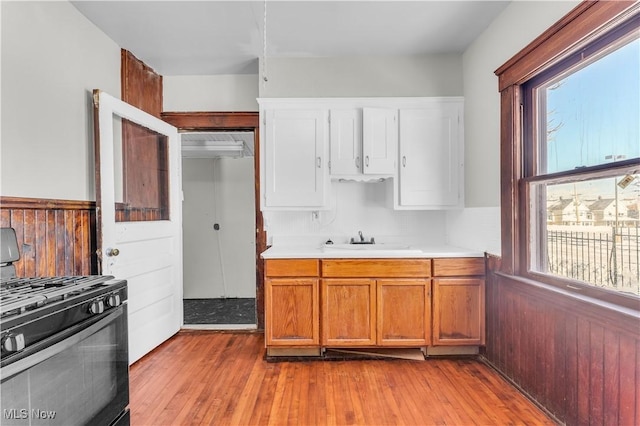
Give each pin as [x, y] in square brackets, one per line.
[346, 141]
[363, 141]
[295, 158]
[379, 140]
[430, 173]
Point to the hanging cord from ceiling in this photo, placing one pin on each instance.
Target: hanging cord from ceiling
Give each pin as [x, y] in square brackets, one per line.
[264, 46]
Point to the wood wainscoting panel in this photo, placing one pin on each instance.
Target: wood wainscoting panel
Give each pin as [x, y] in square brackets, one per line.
[579, 360]
[55, 237]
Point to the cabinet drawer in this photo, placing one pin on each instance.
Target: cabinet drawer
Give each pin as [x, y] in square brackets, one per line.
[292, 267]
[378, 268]
[458, 266]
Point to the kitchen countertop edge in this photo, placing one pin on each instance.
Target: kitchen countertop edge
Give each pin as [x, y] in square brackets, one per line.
[416, 252]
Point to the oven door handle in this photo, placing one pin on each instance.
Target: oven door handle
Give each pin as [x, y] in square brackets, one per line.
[50, 351]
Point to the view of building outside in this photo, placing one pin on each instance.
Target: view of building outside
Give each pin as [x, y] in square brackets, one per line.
[592, 226]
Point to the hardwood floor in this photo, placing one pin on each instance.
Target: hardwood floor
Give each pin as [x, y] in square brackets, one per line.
[222, 378]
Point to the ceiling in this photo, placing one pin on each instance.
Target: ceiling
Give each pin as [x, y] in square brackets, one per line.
[226, 37]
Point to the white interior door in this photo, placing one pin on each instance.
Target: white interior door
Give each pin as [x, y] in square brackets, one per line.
[139, 217]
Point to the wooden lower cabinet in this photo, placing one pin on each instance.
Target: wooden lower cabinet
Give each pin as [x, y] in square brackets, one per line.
[292, 303]
[404, 312]
[459, 302]
[382, 302]
[348, 312]
[292, 315]
[312, 304]
[370, 312]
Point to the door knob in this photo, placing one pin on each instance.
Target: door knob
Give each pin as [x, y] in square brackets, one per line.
[112, 252]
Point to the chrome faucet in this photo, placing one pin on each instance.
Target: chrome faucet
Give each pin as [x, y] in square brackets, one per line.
[361, 236]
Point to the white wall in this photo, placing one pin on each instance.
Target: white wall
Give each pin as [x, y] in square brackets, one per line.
[52, 58]
[210, 93]
[218, 263]
[518, 25]
[432, 75]
[357, 206]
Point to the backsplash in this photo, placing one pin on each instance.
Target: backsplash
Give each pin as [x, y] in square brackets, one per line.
[357, 206]
[475, 228]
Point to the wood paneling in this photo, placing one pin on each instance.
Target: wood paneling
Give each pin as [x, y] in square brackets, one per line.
[55, 237]
[140, 85]
[378, 268]
[223, 379]
[579, 360]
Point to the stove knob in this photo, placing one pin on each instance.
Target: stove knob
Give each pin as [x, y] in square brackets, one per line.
[13, 343]
[96, 307]
[113, 300]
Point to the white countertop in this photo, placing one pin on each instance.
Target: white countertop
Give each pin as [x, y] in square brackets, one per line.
[320, 251]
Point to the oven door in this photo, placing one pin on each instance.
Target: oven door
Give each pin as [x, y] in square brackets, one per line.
[81, 376]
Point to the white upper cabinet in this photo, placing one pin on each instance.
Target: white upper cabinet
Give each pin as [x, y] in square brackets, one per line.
[380, 140]
[294, 159]
[416, 143]
[363, 141]
[430, 174]
[346, 141]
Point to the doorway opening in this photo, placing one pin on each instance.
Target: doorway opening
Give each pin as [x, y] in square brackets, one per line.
[219, 241]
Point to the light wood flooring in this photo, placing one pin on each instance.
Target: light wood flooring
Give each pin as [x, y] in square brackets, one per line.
[222, 378]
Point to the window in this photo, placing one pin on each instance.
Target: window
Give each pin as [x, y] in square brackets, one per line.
[576, 129]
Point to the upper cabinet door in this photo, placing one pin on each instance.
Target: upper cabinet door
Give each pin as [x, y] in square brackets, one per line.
[380, 140]
[346, 141]
[295, 158]
[431, 156]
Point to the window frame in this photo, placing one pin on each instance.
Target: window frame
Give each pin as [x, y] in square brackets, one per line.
[576, 38]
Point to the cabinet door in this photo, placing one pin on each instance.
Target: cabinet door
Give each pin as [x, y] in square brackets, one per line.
[404, 312]
[458, 311]
[348, 312]
[346, 141]
[430, 170]
[379, 140]
[292, 317]
[295, 164]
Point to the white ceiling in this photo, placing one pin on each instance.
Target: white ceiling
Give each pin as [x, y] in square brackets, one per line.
[226, 37]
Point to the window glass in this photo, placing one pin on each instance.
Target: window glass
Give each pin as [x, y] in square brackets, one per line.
[588, 231]
[591, 116]
[585, 112]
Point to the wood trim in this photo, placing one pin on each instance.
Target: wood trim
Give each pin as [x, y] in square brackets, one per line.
[41, 203]
[213, 120]
[230, 121]
[510, 172]
[581, 25]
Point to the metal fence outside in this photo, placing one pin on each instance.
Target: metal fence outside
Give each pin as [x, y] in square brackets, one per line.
[606, 257]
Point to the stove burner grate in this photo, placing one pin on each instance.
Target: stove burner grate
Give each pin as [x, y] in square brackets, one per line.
[20, 294]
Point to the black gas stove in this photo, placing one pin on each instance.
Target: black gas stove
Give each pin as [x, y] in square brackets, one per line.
[63, 346]
[34, 309]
